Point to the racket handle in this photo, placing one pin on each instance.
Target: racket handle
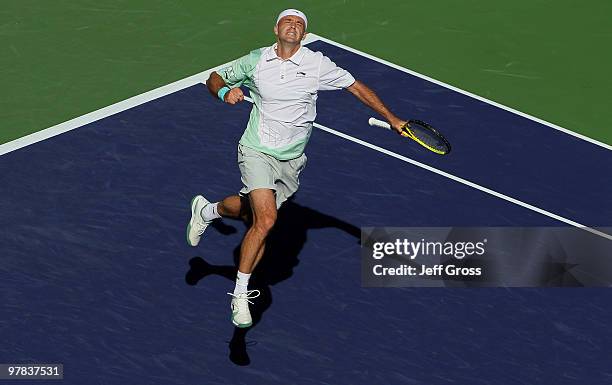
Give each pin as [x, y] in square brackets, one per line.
[379, 123]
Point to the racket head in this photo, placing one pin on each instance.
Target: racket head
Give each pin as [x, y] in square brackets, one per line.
[427, 136]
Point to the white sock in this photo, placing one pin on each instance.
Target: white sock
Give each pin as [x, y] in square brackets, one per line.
[209, 212]
[242, 282]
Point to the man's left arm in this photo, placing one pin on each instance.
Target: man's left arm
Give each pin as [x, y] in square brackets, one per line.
[370, 99]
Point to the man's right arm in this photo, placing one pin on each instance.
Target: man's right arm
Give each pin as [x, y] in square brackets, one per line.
[215, 83]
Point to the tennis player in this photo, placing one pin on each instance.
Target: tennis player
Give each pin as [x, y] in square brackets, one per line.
[284, 80]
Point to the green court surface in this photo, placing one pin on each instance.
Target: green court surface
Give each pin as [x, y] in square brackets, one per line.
[62, 59]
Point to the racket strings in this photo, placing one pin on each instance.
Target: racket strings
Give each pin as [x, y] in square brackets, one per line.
[428, 137]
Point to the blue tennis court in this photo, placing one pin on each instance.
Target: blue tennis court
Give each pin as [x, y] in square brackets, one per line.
[97, 274]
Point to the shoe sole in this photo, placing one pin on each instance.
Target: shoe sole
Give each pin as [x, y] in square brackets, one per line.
[241, 326]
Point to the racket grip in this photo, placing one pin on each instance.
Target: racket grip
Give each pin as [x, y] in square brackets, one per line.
[379, 123]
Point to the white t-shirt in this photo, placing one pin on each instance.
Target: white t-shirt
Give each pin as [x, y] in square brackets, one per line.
[285, 95]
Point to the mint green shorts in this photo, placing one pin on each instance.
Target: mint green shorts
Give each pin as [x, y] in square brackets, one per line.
[259, 170]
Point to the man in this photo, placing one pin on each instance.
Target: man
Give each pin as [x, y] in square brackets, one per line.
[284, 80]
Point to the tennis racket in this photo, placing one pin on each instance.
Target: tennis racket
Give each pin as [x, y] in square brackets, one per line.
[420, 132]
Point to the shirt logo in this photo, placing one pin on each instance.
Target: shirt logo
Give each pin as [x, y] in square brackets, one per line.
[229, 73]
[300, 74]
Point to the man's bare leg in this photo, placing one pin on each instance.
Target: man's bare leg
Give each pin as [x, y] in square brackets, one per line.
[263, 207]
[235, 207]
[238, 207]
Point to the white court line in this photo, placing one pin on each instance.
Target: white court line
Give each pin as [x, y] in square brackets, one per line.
[463, 181]
[202, 76]
[464, 92]
[106, 111]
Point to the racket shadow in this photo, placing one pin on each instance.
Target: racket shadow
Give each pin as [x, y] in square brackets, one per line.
[283, 247]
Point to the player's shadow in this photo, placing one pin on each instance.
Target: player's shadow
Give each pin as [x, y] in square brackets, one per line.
[282, 249]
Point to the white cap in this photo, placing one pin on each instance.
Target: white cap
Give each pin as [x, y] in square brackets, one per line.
[294, 12]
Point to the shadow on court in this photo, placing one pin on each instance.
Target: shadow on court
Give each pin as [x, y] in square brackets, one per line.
[282, 249]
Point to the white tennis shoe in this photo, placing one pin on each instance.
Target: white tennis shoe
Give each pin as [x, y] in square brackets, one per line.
[241, 316]
[197, 224]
